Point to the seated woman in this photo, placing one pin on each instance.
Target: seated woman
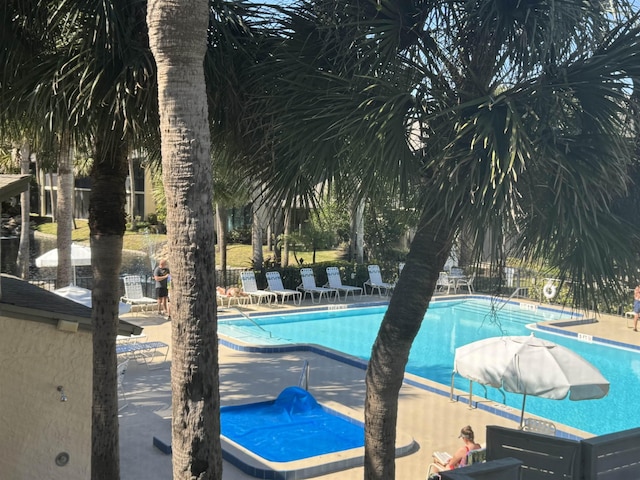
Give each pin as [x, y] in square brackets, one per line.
[459, 458]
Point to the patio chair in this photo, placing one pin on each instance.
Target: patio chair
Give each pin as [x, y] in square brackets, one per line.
[274, 280]
[250, 287]
[335, 282]
[445, 282]
[466, 283]
[441, 459]
[133, 292]
[539, 426]
[375, 281]
[310, 288]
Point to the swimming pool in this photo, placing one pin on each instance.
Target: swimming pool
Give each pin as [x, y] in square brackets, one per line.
[449, 324]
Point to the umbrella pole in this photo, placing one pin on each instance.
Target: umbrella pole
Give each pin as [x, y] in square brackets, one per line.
[524, 399]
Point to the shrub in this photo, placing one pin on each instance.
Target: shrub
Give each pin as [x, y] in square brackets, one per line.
[240, 235]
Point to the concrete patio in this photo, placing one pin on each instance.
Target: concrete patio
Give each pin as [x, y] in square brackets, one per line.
[430, 418]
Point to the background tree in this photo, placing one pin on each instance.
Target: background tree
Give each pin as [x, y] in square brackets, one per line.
[64, 209]
[84, 67]
[509, 118]
[25, 211]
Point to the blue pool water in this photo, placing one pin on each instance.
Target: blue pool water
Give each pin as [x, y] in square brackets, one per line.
[292, 427]
[449, 324]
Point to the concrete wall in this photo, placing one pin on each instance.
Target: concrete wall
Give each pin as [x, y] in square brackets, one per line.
[35, 426]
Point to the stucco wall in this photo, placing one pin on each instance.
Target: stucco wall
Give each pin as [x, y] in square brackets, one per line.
[35, 426]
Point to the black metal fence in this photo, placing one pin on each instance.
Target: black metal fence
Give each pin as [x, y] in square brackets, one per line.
[147, 282]
[509, 282]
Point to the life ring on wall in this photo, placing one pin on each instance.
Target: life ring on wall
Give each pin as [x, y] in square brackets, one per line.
[549, 291]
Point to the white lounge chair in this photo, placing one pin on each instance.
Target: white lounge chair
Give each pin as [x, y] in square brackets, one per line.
[310, 288]
[274, 280]
[133, 292]
[539, 426]
[335, 282]
[228, 299]
[144, 352]
[375, 281]
[250, 287]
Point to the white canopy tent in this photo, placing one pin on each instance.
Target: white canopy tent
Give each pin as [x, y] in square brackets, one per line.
[80, 257]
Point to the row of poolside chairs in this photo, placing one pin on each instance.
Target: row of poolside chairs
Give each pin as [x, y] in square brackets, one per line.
[331, 291]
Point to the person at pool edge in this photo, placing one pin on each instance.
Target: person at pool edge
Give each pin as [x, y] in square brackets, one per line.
[636, 307]
[459, 458]
[161, 275]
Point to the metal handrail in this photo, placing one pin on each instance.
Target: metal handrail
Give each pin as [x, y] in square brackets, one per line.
[251, 320]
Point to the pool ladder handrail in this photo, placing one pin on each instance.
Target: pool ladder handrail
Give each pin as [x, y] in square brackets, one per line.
[303, 381]
[251, 320]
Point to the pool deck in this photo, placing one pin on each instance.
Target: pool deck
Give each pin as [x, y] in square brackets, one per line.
[430, 418]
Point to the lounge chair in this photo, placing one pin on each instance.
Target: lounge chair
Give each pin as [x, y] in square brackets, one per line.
[275, 285]
[228, 299]
[310, 288]
[144, 352]
[375, 281]
[441, 459]
[539, 426]
[335, 282]
[444, 281]
[250, 287]
[133, 292]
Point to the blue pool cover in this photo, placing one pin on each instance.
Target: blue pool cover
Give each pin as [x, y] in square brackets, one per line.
[292, 427]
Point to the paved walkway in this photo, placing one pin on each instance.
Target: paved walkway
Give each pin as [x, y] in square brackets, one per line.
[430, 418]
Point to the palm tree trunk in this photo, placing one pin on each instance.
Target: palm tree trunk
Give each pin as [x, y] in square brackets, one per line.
[64, 209]
[25, 207]
[41, 178]
[52, 198]
[221, 215]
[132, 193]
[287, 231]
[390, 352]
[257, 258]
[177, 36]
[107, 224]
[356, 247]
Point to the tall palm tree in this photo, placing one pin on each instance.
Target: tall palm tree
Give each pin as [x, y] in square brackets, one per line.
[506, 117]
[178, 39]
[25, 210]
[85, 68]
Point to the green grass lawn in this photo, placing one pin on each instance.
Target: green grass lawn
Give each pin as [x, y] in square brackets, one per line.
[238, 255]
